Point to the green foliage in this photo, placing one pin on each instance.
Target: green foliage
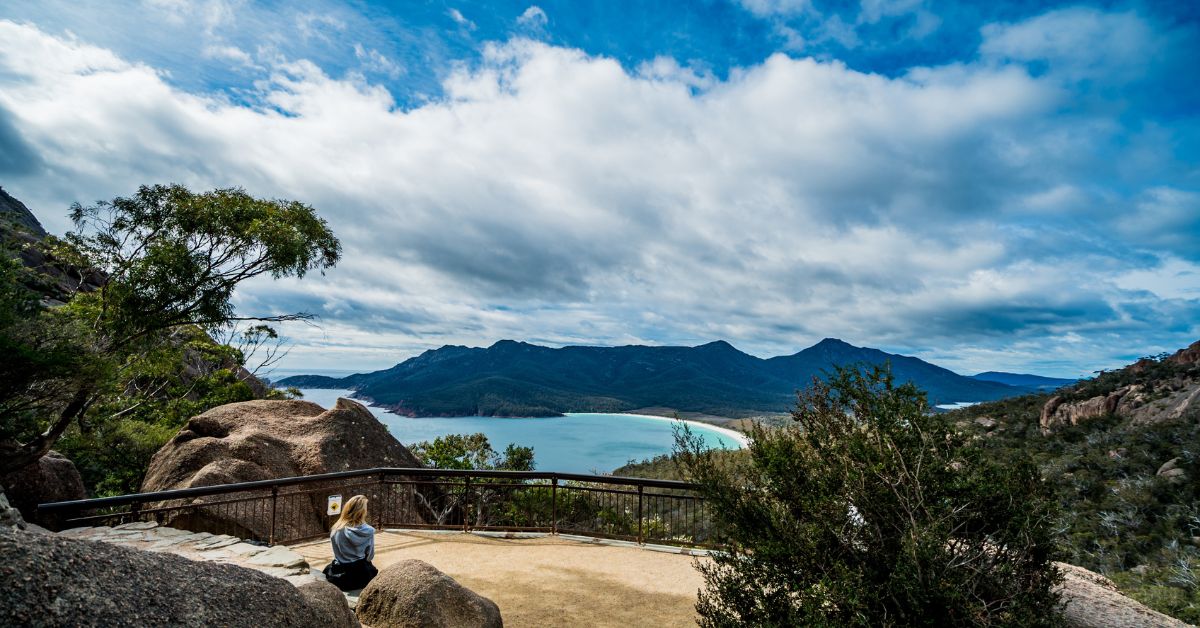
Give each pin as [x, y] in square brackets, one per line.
[471, 451]
[174, 257]
[45, 356]
[870, 510]
[489, 501]
[158, 391]
[123, 365]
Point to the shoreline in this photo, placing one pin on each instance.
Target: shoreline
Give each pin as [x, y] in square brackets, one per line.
[741, 439]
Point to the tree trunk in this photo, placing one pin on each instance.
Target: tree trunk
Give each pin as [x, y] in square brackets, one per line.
[17, 456]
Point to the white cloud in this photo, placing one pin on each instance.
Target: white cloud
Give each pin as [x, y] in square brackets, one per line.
[228, 53]
[460, 19]
[554, 196]
[1078, 42]
[374, 61]
[766, 8]
[533, 17]
[318, 25]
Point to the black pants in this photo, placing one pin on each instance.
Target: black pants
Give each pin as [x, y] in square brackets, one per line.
[350, 576]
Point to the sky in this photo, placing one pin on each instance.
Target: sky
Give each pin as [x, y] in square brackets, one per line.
[989, 186]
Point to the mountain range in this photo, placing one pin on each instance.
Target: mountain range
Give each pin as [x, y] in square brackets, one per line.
[513, 378]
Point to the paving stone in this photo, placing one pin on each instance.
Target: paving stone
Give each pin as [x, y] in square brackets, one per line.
[114, 533]
[216, 556]
[136, 525]
[219, 540]
[172, 532]
[245, 549]
[167, 542]
[278, 556]
[279, 561]
[199, 537]
[219, 544]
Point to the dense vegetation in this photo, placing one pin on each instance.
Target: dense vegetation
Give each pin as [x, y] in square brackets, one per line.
[1119, 517]
[871, 510]
[519, 379]
[108, 337]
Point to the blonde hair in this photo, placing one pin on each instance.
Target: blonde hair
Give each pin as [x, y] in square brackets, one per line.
[354, 513]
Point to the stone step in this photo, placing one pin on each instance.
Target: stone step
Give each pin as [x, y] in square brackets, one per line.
[278, 561]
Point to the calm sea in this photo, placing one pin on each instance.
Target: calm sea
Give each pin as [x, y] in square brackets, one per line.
[576, 443]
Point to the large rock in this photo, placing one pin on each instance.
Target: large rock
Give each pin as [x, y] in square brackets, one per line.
[53, 478]
[1093, 601]
[414, 594]
[1188, 355]
[1058, 412]
[50, 580]
[262, 440]
[329, 602]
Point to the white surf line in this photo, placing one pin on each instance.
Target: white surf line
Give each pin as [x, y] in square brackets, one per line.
[741, 439]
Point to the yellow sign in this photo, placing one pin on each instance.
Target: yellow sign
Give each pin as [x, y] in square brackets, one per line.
[334, 506]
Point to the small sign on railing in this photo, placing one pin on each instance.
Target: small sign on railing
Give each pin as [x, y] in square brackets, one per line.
[334, 505]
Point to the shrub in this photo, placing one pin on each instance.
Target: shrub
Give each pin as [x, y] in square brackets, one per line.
[871, 510]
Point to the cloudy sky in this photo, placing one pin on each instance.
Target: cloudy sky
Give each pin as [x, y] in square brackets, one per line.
[988, 187]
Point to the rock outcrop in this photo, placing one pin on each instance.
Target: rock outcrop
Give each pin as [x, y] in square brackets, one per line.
[15, 212]
[55, 581]
[53, 478]
[1158, 394]
[1187, 355]
[414, 594]
[1171, 472]
[1093, 601]
[1057, 412]
[262, 440]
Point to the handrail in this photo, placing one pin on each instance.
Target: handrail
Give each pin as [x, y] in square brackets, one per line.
[120, 500]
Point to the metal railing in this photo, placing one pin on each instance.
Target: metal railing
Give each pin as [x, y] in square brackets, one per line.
[289, 510]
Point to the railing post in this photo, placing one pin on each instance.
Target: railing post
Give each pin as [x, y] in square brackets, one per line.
[274, 501]
[554, 505]
[466, 502]
[382, 501]
[641, 493]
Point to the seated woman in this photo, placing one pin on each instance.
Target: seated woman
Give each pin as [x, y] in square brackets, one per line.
[353, 541]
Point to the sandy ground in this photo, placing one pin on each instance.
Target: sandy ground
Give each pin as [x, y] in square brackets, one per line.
[550, 581]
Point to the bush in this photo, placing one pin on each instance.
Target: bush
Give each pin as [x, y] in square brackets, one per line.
[870, 510]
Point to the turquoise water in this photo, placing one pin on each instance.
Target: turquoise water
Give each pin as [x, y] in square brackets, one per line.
[576, 443]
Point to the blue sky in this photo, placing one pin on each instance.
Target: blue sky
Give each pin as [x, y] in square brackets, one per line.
[1008, 186]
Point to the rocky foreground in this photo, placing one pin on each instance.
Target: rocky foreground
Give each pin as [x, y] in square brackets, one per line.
[53, 580]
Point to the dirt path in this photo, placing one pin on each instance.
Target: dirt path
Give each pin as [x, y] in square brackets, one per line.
[551, 581]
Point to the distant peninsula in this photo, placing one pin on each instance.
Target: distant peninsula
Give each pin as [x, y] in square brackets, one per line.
[513, 378]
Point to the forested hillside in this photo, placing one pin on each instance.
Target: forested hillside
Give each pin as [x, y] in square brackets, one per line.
[520, 379]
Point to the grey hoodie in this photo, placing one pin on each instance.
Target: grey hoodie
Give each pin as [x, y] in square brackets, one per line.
[353, 543]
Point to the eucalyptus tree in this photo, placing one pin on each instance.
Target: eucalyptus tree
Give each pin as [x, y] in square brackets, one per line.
[168, 262]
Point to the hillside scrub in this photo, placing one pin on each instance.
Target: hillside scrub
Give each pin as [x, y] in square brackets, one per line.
[1119, 517]
[871, 510]
[129, 354]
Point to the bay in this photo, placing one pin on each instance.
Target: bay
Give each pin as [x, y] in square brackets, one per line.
[576, 443]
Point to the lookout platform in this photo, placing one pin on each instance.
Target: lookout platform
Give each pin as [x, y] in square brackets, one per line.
[543, 580]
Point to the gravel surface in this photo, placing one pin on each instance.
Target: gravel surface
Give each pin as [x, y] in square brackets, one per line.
[551, 581]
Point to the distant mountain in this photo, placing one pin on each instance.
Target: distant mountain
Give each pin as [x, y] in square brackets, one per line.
[1022, 380]
[513, 378]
